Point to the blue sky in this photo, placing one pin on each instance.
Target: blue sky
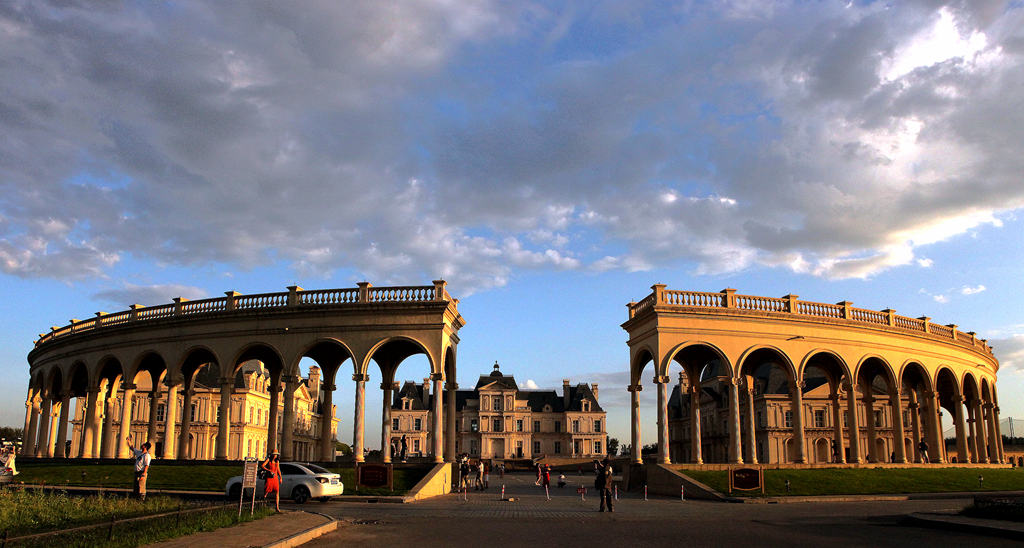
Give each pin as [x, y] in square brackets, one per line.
[551, 160]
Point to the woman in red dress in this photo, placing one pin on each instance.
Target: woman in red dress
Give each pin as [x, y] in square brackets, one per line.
[273, 482]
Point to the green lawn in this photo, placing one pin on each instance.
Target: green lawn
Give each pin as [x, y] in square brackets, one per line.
[404, 480]
[865, 481]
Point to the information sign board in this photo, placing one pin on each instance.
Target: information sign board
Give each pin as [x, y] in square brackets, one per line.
[746, 479]
[374, 475]
[249, 474]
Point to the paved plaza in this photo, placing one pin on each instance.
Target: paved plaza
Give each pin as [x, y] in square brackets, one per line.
[565, 520]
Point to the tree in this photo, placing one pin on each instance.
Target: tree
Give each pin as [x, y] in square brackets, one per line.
[650, 448]
[613, 446]
[625, 449]
[343, 448]
[9, 433]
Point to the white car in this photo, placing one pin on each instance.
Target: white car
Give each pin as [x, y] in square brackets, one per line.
[299, 482]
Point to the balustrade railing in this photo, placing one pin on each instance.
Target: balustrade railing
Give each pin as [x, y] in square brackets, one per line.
[728, 299]
[297, 296]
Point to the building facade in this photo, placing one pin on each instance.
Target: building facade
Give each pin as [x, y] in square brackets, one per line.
[250, 416]
[498, 420]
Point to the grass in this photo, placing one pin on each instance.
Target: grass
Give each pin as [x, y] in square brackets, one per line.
[869, 481]
[27, 511]
[404, 479]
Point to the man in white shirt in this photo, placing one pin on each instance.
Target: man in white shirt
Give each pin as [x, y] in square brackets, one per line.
[142, 460]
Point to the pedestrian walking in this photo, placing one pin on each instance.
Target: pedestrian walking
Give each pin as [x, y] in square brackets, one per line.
[923, 448]
[501, 470]
[603, 483]
[273, 482]
[464, 473]
[405, 447]
[540, 471]
[547, 476]
[487, 475]
[142, 460]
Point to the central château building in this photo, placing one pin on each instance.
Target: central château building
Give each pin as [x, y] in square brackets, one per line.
[498, 420]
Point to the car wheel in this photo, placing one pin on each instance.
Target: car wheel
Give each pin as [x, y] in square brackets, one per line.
[236, 492]
[324, 499]
[300, 494]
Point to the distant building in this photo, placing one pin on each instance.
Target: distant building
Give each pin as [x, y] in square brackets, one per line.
[250, 413]
[496, 419]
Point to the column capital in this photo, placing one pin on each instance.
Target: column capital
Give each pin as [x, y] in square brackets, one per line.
[848, 386]
[332, 387]
[895, 393]
[451, 385]
[128, 386]
[660, 379]
[913, 405]
[996, 409]
[227, 381]
[173, 382]
[359, 377]
[290, 379]
[733, 381]
[389, 386]
[635, 388]
[436, 377]
[988, 406]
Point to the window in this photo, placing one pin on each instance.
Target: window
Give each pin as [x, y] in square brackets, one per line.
[536, 426]
[416, 445]
[558, 448]
[846, 418]
[160, 410]
[473, 448]
[497, 403]
[473, 426]
[250, 413]
[597, 428]
[496, 425]
[218, 413]
[417, 424]
[585, 405]
[906, 417]
[577, 447]
[878, 417]
[192, 413]
[760, 420]
[519, 425]
[394, 424]
[819, 418]
[406, 404]
[558, 427]
[789, 419]
[536, 448]
[248, 448]
[597, 448]
[575, 427]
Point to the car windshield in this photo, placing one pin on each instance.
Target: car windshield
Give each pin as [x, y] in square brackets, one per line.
[318, 469]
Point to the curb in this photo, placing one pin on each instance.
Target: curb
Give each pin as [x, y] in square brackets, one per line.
[303, 537]
[976, 526]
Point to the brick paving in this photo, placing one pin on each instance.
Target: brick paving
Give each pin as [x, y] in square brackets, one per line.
[253, 533]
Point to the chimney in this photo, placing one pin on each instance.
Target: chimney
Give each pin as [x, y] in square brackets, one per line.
[426, 393]
[565, 393]
[314, 382]
[684, 383]
[593, 388]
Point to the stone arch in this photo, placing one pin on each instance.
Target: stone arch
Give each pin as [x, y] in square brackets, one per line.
[687, 353]
[765, 350]
[641, 356]
[449, 363]
[914, 375]
[152, 363]
[77, 379]
[265, 353]
[875, 366]
[752, 363]
[328, 352]
[392, 351]
[194, 360]
[830, 363]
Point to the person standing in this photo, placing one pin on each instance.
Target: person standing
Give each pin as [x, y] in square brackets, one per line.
[405, 447]
[923, 448]
[487, 474]
[603, 483]
[142, 460]
[273, 482]
[547, 476]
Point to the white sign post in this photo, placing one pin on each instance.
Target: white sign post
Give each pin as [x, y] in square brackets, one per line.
[248, 482]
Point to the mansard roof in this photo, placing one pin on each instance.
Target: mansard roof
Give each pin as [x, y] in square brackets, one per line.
[412, 391]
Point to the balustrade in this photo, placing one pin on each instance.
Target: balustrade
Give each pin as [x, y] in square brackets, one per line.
[823, 310]
[764, 304]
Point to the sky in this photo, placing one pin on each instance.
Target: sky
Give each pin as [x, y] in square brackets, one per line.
[550, 160]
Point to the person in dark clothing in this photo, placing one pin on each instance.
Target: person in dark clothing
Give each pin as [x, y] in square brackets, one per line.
[405, 447]
[923, 448]
[603, 483]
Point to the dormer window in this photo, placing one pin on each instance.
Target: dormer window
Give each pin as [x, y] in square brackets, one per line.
[406, 404]
[586, 405]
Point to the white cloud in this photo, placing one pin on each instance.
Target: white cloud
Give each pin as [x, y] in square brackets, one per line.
[149, 295]
[925, 263]
[530, 385]
[1010, 351]
[940, 299]
[968, 290]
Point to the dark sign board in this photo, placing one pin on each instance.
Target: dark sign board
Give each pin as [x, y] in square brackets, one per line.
[373, 475]
[746, 479]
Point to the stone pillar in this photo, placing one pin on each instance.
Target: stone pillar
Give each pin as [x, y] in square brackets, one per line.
[979, 432]
[999, 433]
[915, 421]
[227, 387]
[695, 436]
[60, 447]
[992, 431]
[28, 436]
[43, 433]
[436, 411]
[151, 429]
[935, 441]
[385, 429]
[186, 421]
[357, 423]
[797, 396]
[734, 422]
[52, 436]
[291, 384]
[896, 403]
[26, 431]
[972, 437]
[89, 427]
[869, 416]
[327, 423]
[126, 421]
[452, 429]
[662, 383]
[634, 408]
[275, 411]
[837, 425]
[851, 425]
[961, 431]
[751, 423]
[108, 434]
[171, 419]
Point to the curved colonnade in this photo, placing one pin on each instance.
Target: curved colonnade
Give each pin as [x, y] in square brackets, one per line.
[99, 359]
[868, 360]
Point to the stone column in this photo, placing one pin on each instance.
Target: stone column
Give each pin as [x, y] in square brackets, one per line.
[275, 404]
[751, 422]
[43, 433]
[453, 433]
[357, 423]
[26, 431]
[999, 434]
[837, 425]
[28, 436]
[108, 434]
[385, 429]
[151, 429]
[851, 423]
[60, 447]
[227, 387]
[291, 384]
[327, 423]
[89, 426]
[972, 436]
[869, 416]
[896, 403]
[935, 441]
[126, 421]
[961, 430]
[695, 441]
[634, 408]
[734, 422]
[171, 420]
[992, 431]
[52, 438]
[915, 421]
[186, 421]
[797, 395]
[438, 430]
[662, 383]
[979, 432]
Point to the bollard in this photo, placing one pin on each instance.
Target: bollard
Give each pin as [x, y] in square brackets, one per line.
[503, 491]
[616, 492]
[465, 495]
[682, 492]
[645, 492]
[787, 486]
[981, 480]
[177, 517]
[546, 492]
[110, 532]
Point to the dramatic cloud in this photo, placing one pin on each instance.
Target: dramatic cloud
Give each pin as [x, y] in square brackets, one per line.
[1010, 350]
[475, 140]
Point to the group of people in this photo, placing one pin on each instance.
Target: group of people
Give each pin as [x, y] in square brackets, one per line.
[476, 472]
[400, 448]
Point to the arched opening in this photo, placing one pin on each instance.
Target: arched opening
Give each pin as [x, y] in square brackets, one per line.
[316, 425]
[991, 445]
[258, 369]
[953, 437]
[151, 401]
[108, 405]
[200, 398]
[52, 407]
[698, 406]
[78, 387]
[824, 375]
[975, 424]
[398, 441]
[915, 385]
[876, 385]
[770, 392]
